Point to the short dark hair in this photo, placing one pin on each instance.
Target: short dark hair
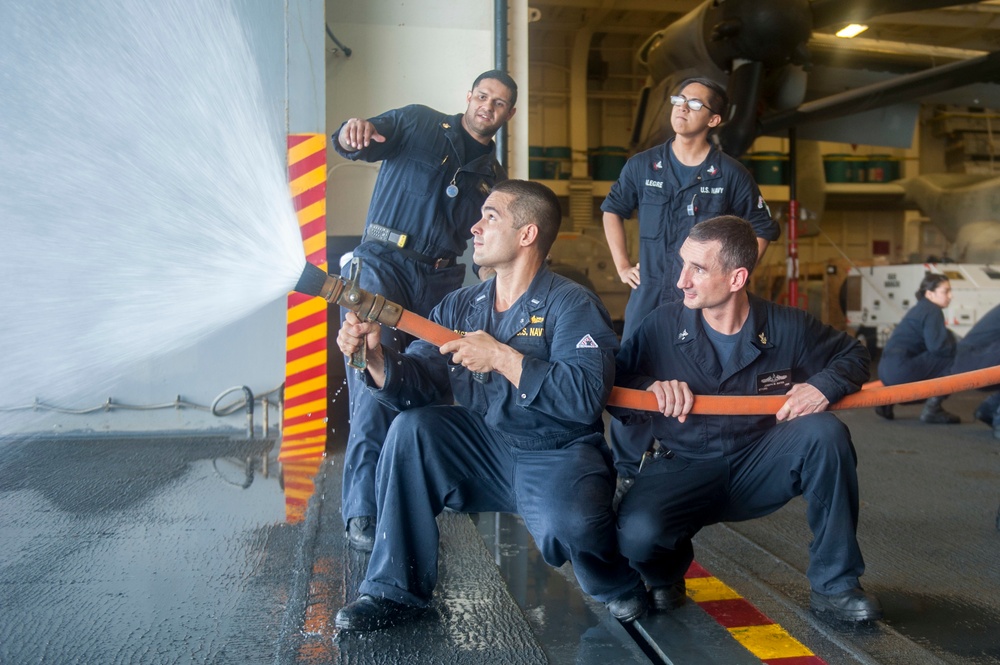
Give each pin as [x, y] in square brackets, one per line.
[930, 282]
[534, 203]
[502, 77]
[735, 235]
[718, 100]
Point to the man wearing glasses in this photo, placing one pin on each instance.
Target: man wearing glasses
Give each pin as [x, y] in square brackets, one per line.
[674, 186]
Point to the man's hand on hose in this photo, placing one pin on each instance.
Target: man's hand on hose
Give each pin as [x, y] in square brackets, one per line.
[803, 399]
[673, 398]
[354, 333]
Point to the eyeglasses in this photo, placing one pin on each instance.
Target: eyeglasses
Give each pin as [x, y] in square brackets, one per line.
[693, 104]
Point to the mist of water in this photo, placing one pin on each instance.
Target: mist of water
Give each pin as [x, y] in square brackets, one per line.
[144, 201]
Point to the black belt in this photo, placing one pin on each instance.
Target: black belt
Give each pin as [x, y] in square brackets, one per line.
[398, 241]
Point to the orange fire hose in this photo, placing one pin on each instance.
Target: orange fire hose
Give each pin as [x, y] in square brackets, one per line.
[748, 405]
[372, 307]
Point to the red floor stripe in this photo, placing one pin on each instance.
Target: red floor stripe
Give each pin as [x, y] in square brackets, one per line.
[735, 613]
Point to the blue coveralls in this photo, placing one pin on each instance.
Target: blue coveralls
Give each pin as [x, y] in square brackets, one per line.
[423, 153]
[537, 449]
[981, 346]
[919, 348]
[667, 211]
[732, 468]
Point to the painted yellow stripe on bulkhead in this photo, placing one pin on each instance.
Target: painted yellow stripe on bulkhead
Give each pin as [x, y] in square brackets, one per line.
[704, 589]
[306, 336]
[300, 445]
[769, 641]
[310, 146]
[311, 212]
[311, 426]
[309, 407]
[315, 450]
[314, 243]
[309, 180]
[306, 362]
[306, 308]
[304, 387]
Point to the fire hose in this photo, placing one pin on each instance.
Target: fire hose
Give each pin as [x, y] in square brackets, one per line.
[375, 308]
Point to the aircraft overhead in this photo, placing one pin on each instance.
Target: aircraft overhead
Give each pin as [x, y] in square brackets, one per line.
[783, 67]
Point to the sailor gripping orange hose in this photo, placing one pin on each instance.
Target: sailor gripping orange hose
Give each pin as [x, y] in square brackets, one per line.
[370, 307]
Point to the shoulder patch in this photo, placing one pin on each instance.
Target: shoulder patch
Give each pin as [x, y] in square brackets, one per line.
[586, 342]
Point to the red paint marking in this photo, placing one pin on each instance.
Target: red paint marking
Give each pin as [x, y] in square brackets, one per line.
[796, 660]
[306, 164]
[735, 613]
[313, 228]
[309, 197]
[695, 570]
[307, 322]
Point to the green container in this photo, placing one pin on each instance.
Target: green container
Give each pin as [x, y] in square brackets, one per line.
[859, 168]
[882, 168]
[536, 162]
[769, 168]
[607, 162]
[562, 162]
[838, 168]
[536, 168]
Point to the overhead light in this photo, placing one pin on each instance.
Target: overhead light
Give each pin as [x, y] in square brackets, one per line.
[852, 30]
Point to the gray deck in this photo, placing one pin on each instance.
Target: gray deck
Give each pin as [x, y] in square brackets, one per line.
[177, 550]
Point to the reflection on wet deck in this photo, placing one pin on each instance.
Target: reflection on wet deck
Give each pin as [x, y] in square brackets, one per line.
[161, 550]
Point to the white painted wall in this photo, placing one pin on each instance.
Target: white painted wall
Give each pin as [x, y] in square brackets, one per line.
[403, 52]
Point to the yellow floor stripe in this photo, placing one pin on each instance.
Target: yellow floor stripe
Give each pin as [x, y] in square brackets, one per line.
[769, 641]
[704, 589]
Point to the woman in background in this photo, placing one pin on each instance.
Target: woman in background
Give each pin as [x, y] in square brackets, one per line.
[921, 348]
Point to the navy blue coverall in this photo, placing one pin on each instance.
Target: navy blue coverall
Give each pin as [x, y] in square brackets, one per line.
[667, 211]
[981, 346]
[537, 449]
[978, 349]
[733, 468]
[423, 153]
[919, 348]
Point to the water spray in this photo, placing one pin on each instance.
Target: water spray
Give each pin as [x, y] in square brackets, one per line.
[371, 307]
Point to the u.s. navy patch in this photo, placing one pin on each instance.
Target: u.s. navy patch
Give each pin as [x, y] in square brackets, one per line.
[586, 342]
[774, 383]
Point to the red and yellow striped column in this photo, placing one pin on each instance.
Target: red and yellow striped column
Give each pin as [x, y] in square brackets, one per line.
[749, 626]
[305, 413]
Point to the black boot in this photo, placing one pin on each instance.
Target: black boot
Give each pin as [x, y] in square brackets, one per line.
[885, 411]
[984, 412]
[361, 533]
[935, 415]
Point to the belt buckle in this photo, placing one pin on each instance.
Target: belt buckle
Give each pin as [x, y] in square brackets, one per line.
[441, 263]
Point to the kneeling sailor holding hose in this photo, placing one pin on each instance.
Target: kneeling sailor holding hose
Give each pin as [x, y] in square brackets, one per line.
[853, 604]
[485, 423]
[703, 470]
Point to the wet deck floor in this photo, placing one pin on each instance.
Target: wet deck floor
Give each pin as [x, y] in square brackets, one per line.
[203, 550]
